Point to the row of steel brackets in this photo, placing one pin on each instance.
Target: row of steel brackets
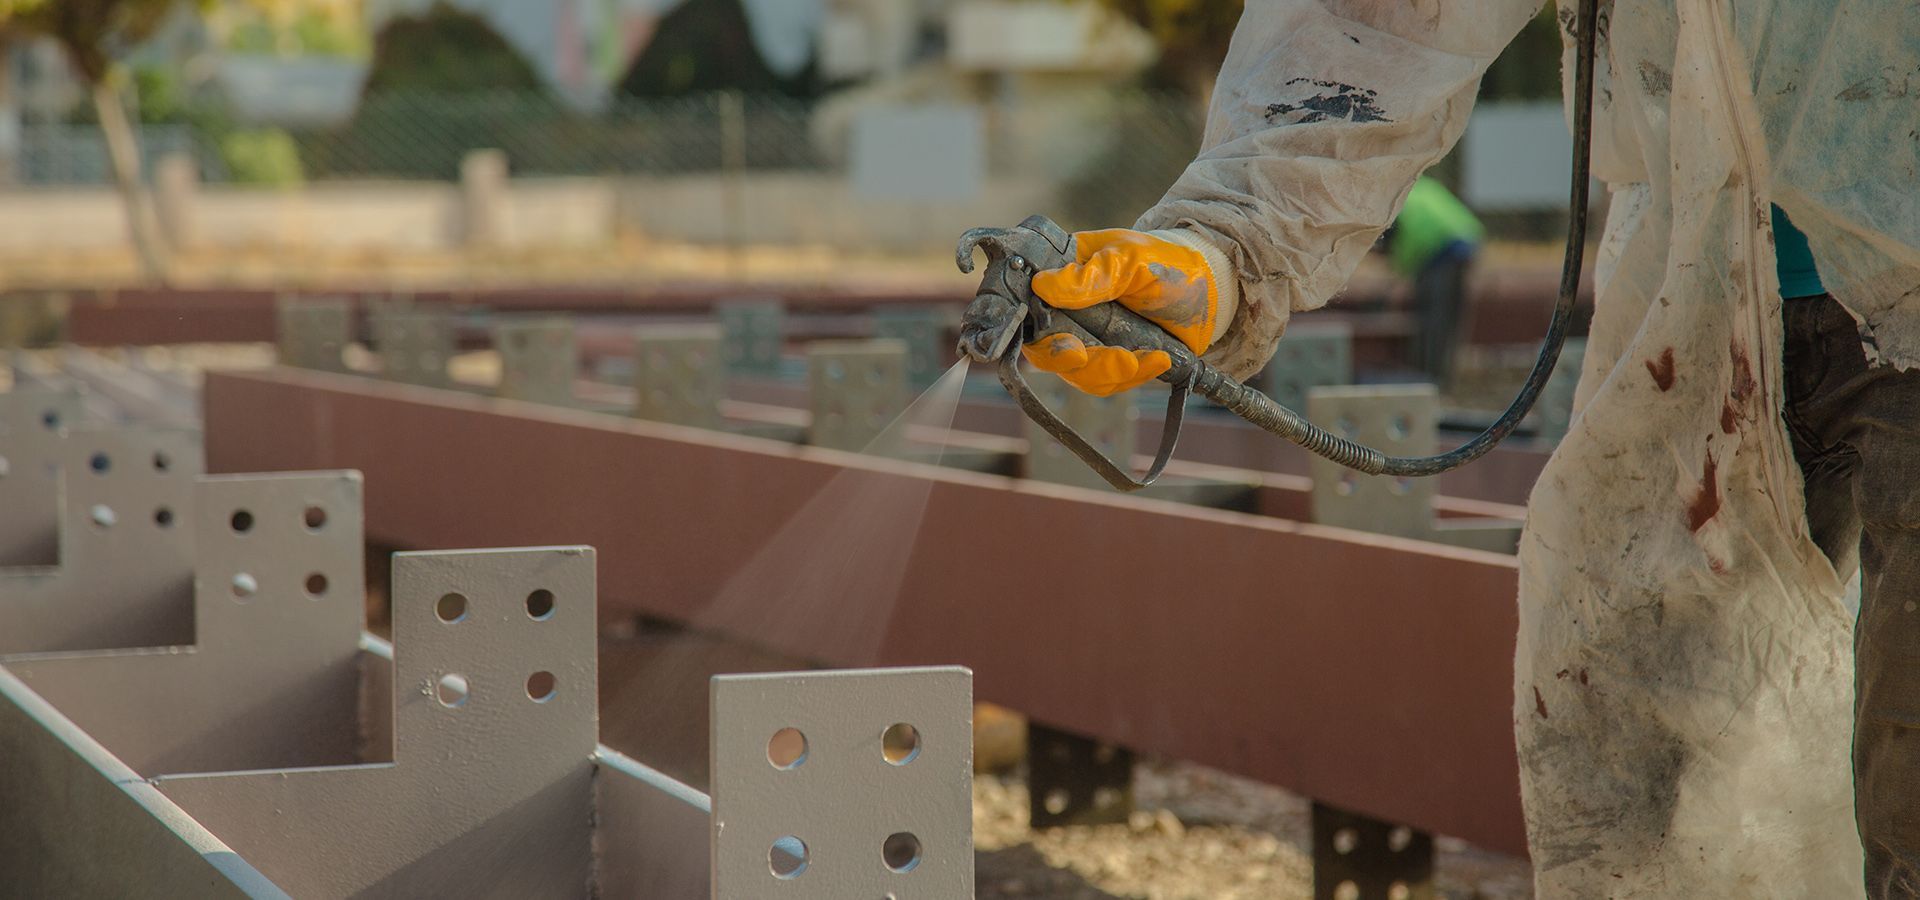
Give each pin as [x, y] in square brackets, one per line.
[489, 791]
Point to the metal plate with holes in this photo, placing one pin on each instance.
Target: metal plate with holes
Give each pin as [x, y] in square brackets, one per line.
[1553, 412]
[313, 332]
[754, 331]
[679, 374]
[1106, 422]
[1312, 355]
[855, 388]
[538, 360]
[272, 679]
[414, 346]
[1399, 420]
[1358, 857]
[926, 332]
[1076, 780]
[490, 792]
[33, 423]
[125, 577]
[836, 784]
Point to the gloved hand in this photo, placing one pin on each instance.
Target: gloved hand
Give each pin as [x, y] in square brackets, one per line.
[1174, 278]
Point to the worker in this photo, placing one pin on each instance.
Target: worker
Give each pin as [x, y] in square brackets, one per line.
[1688, 715]
[1432, 243]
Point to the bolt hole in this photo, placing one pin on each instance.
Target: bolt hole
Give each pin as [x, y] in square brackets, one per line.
[50, 419]
[451, 690]
[315, 517]
[163, 517]
[102, 515]
[541, 686]
[451, 608]
[316, 585]
[1401, 486]
[242, 521]
[1104, 753]
[787, 749]
[540, 605]
[244, 586]
[1399, 891]
[1346, 890]
[1399, 427]
[1106, 797]
[1345, 840]
[1399, 838]
[161, 462]
[1055, 802]
[788, 857]
[100, 463]
[900, 743]
[1346, 485]
[901, 851]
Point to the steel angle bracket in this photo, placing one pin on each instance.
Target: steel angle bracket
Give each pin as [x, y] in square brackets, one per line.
[33, 423]
[125, 577]
[272, 678]
[490, 792]
[834, 784]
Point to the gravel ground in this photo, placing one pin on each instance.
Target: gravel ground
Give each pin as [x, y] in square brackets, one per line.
[1196, 834]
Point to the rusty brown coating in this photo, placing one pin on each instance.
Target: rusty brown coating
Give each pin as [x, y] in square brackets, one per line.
[1372, 673]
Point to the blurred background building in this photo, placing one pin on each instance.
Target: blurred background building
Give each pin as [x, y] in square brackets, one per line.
[422, 126]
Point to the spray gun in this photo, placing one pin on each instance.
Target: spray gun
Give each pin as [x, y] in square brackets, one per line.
[1005, 313]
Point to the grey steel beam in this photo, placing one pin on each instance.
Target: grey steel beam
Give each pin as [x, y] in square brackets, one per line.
[271, 680]
[1314, 355]
[125, 577]
[490, 790]
[76, 822]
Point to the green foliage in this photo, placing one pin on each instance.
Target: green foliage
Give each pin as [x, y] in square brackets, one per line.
[449, 51]
[264, 156]
[705, 46]
[90, 31]
[1529, 69]
[313, 33]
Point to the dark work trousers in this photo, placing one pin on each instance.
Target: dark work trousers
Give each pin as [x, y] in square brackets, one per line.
[1439, 294]
[1856, 435]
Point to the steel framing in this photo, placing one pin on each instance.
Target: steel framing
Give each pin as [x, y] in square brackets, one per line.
[1307, 656]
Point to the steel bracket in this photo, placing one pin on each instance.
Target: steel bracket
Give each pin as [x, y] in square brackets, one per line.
[33, 424]
[855, 389]
[849, 783]
[1358, 857]
[125, 577]
[272, 678]
[1108, 423]
[313, 332]
[1076, 780]
[927, 332]
[538, 360]
[414, 346]
[1314, 355]
[490, 792]
[754, 330]
[679, 374]
[1400, 421]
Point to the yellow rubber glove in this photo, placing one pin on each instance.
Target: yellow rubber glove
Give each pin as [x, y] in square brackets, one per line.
[1173, 278]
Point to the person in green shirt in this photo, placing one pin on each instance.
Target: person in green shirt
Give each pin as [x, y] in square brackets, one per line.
[1433, 242]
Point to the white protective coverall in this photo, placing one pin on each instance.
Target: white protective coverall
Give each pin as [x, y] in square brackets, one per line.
[1683, 674]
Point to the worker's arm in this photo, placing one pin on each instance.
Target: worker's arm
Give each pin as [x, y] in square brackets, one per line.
[1325, 113]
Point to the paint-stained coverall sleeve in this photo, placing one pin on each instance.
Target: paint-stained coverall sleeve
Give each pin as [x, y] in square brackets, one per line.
[1324, 114]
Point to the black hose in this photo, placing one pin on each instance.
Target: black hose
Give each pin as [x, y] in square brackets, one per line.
[1259, 409]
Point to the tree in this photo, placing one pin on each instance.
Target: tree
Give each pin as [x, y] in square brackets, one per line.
[1192, 34]
[92, 33]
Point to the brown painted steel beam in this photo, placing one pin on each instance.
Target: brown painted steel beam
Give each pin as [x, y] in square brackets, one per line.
[1369, 672]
